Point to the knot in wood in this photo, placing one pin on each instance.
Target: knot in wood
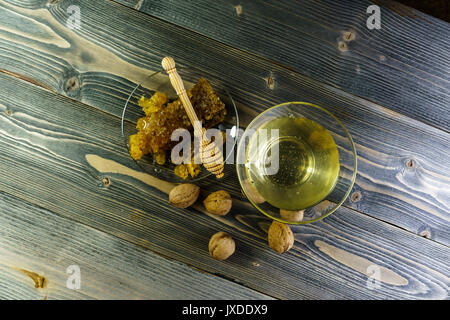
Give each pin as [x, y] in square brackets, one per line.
[410, 164]
[270, 81]
[349, 36]
[106, 181]
[238, 9]
[72, 84]
[424, 231]
[356, 196]
[342, 46]
[425, 234]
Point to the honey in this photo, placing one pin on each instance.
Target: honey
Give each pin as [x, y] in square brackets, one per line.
[163, 117]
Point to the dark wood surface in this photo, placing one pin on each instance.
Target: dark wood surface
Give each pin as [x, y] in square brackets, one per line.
[63, 151]
[438, 8]
[409, 54]
[61, 136]
[111, 268]
[386, 186]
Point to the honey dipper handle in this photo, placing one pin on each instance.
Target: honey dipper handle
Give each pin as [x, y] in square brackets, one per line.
[169, 65]
[212, 157]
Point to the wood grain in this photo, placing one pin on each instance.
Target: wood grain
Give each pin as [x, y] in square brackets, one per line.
[403, 66]
[58, 151]
[100, 68]
[32, 238]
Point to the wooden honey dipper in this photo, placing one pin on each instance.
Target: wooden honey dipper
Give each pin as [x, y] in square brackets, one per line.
[212, 157]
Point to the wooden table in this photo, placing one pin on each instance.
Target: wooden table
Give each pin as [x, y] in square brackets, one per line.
[70, 195]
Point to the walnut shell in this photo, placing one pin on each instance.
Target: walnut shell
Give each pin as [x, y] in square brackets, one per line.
[184, 195]
[221, 246]
[252, 193]
[293, 216]
[280, 237]
[218, 202]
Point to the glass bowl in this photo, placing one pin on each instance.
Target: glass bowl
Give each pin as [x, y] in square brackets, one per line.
[159, 81]
[313, 140]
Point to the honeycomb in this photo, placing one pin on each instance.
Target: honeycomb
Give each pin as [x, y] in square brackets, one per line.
[155, 129]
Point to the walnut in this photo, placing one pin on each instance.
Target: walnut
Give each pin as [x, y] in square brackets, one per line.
[218, 202]
[184, 195]
[280, 237]
[221, 246]
[252, 193]
[293, 216]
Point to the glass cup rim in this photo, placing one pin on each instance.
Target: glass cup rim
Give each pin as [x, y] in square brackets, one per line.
[303, 103]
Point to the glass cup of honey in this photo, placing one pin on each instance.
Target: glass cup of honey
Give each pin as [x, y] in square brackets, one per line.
[296, 162]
